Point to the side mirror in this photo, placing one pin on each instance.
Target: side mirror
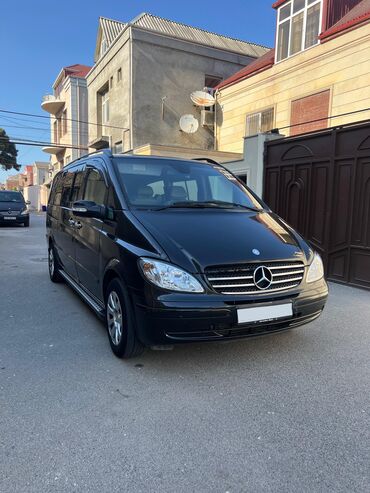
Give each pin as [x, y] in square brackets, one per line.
[28, 202]
[87, 208]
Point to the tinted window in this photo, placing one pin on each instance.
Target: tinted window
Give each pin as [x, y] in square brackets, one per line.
[58, 190]
[77, 186]
[95, 189]
[67, 187]
[55, 183]
[155, 182]
[11, 197]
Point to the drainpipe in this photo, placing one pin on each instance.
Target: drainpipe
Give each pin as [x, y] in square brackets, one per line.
[325, 13]
[215, 123]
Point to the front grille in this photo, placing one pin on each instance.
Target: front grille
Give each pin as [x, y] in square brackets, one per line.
[9, 213]
[239, 278]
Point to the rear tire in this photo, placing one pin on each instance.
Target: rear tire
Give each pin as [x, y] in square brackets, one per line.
[54, 266]
[120, 321]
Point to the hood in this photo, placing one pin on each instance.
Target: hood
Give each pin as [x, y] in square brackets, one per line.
[13, 206]
[198, 239]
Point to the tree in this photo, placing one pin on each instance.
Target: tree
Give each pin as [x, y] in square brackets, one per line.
[8, 152]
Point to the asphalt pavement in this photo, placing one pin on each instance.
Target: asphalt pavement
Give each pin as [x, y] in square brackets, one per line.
[283, 413]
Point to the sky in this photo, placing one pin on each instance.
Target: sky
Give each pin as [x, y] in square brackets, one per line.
[40, 37]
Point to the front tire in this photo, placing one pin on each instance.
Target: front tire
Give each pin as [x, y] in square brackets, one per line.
[54, 266]
[27, 223]
[120, 322]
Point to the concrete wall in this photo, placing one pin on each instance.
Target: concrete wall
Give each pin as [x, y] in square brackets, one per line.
[33, 195]
[154, 66]
[341, 65]
[173, 69]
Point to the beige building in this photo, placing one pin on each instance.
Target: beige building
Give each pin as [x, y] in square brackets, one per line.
[144, 73]
[317, 76]
[68, 116]
[40, 170]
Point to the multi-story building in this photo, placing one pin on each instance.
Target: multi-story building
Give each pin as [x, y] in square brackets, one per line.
[26, 178]
[317, 75]
[68, 116]
[144, 73]
[12, 182]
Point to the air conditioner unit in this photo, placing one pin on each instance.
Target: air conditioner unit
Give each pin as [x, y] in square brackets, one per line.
[207, 118]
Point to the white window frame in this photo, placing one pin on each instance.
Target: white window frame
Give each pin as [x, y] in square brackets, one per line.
[259, 114]
[308, 4]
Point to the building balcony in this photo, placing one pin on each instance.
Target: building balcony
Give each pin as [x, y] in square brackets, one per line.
[54, 150]
[52, 104]
[100, 143]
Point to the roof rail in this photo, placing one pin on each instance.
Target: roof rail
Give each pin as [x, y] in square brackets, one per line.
[106, 151]
[208, 160]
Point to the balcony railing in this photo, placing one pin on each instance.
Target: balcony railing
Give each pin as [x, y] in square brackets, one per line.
[51, 104]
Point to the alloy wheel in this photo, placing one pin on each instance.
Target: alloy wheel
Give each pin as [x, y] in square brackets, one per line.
[51, 262]
[114, 318]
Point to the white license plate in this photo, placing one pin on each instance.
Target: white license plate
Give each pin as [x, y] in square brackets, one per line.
[264, 313]
[10, 218]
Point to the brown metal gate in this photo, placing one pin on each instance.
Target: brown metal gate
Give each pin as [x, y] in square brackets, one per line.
[320, 184]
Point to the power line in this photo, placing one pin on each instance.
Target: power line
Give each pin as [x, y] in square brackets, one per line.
[67, 119]
[25, 141]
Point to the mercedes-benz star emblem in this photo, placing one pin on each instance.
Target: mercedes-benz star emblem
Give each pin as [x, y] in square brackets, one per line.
[262, 277]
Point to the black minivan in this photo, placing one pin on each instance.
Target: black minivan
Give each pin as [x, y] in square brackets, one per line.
[172, 251]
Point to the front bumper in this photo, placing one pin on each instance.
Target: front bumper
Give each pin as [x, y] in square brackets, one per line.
[175, 319]
[14, 218]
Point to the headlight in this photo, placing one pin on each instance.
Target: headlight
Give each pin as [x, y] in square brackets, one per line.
[316, 269]
[169, 276]
[24, 212]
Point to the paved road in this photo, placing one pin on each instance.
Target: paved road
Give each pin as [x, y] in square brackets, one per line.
[285, 413]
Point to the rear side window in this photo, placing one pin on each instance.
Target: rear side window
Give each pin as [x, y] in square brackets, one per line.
[95, 189]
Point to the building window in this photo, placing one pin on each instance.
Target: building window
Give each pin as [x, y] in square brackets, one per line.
[55, 131]
[260, 122]
[104, 47]
[211, 81]
[298, 28]
[111, 82]
[118, 148]
[105, 107]
[119, 75]
[64, 122]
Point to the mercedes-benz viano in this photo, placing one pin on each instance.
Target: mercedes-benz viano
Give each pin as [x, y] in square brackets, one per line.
[171, 251]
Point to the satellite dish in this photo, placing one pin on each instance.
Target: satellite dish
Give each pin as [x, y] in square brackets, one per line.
[189, 124]
[202, 98]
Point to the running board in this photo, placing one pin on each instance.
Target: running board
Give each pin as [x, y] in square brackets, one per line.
[97, 307]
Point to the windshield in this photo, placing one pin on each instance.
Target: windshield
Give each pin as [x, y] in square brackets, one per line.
[11, 197]
[160, 184]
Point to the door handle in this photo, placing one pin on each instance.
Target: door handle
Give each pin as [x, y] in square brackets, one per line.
[78, 225]
[71, 222]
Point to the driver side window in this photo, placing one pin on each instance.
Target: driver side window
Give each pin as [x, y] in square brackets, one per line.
[95, 188]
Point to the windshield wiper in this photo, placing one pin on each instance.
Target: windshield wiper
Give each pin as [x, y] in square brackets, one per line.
[220, 204]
